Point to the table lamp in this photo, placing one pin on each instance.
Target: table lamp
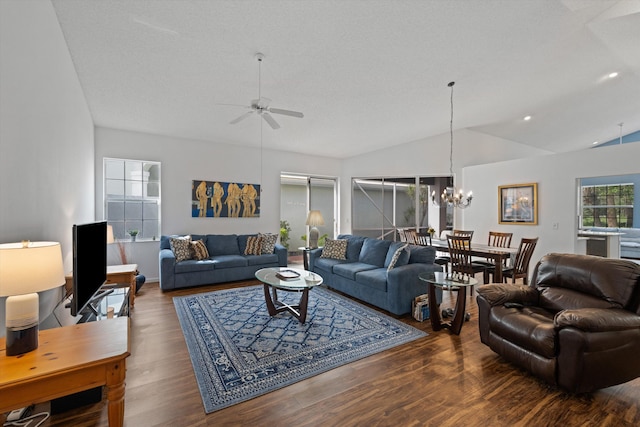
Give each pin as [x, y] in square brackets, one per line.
[25, 269]
[314, 219]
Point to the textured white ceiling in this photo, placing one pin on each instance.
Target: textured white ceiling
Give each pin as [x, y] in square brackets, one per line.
[367, 74]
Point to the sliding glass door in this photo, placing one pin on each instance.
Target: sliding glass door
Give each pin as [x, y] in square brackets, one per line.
[300, 194]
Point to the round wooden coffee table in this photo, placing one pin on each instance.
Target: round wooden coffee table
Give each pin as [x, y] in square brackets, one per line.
[440, 279]
[278, 278]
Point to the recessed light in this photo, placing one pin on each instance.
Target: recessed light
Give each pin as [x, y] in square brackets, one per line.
[594, 142]
[527, 118]
[612, 75]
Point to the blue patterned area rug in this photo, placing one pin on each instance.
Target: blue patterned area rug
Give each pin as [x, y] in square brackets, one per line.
[239, 352]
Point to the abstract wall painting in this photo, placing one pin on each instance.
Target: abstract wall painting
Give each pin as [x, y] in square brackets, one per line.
[216, 199]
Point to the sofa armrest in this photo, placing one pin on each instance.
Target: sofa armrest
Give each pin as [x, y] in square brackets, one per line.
[167, 262]
[281, 251]
[597, 319]
[499, 293]
[314, 254]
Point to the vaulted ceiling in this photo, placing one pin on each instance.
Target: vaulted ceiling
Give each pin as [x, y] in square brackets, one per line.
[366, 74]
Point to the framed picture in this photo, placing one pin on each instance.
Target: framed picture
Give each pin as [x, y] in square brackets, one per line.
[518, 204]
[219, 199]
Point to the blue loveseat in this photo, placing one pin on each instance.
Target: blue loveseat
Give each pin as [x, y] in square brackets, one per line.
[226, 262]
[364, 274]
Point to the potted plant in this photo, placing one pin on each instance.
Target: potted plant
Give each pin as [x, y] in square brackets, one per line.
[133, 234]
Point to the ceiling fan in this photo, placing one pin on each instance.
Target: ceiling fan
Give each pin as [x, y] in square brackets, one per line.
[261, 105]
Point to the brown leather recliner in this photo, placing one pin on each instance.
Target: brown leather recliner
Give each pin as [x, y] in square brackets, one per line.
[577, 325]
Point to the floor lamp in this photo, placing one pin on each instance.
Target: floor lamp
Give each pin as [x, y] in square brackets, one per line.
[25, 269]
[314, 219]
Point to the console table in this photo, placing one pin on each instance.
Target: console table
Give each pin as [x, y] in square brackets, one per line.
[125, 273]
[68, 360]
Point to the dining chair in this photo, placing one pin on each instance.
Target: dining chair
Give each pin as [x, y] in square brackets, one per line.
[402, 233]
[444, 260]
[520, 268]
[411, 236]
[499, 240]
[460, 253]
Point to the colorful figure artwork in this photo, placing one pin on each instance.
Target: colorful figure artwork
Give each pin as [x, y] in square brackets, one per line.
[214, 199]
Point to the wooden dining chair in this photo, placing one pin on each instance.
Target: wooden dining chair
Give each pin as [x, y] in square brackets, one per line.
[520, 268]
[460, 253]
[411, 236]
[499, 240]
[402, 233]
[444, 260]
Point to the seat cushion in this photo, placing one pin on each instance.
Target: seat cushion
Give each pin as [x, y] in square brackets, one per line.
[262, 259]
[328, 263]
[193, 265]
[376, 279]
[350, 269]
[227, 261]
[530, 328]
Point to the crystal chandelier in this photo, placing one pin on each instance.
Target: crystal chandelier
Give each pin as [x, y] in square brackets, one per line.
[450, 196]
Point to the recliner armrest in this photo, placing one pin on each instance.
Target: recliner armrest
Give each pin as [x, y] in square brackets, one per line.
[498, 294]
[597, 319]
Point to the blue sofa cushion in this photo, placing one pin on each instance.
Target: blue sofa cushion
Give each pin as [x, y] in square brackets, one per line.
[227, 261]
[328, 263]
[222, 244]
[354, 246]
[193, 265]
[421, 254]
[401, 259]
[350, 269]
[376, 279]
[262, 259]
[374, 252]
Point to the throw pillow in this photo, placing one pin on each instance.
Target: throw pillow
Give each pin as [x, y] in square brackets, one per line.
[268, 242]
[254, 246]
[335, 249]
[181, 247]
[199, 250]
[396, 257]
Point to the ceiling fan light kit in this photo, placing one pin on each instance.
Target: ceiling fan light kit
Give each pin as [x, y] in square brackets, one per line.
[261, 105]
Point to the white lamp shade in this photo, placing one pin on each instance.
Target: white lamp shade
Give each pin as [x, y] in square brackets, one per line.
[314, 218]
[30, 267]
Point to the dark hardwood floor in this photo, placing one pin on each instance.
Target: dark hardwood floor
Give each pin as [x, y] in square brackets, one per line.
[440, 380]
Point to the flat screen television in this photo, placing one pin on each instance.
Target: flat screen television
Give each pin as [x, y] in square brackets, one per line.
[89, 263]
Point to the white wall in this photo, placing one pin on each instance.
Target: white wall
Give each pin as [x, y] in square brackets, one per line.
[46, 134]
[184, 160]
[430, 157]
[556, 176]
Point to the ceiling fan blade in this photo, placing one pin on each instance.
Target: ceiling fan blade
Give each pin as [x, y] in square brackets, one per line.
[286, 112]
[267, 118]
[241, 118]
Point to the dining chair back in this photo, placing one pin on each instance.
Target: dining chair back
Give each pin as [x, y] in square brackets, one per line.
[499, 239]
[520, 268]
[410, 233]
[402, 234]
[460, 253]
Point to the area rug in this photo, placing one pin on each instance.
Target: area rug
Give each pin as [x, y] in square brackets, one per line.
[239, 352]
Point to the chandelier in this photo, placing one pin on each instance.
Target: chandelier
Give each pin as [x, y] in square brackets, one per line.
[450, 195]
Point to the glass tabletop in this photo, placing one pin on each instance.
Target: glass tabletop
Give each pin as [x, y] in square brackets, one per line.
[442, 279]
[278, 278]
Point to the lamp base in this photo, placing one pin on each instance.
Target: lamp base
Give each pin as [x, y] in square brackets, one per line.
[21, 341]
[314, 233]
[22, 323]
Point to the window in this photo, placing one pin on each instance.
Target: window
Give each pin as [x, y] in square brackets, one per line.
[132, 197]
[607, 205]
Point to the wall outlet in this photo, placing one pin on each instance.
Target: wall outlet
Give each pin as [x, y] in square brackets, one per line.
[556, 225]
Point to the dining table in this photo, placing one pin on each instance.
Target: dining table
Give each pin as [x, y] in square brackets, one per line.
[499, 255]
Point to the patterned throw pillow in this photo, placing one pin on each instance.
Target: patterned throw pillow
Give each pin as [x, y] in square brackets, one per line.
[335, 249]
[254, 246]
[199, 250]
[181, 247]
[396, 257]
[268, 242]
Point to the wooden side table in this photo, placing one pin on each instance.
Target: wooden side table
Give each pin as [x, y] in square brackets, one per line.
[68, 360]
[125, 274]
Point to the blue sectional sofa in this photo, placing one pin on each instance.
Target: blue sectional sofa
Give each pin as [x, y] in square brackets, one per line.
[364, 274]
[226, 262]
